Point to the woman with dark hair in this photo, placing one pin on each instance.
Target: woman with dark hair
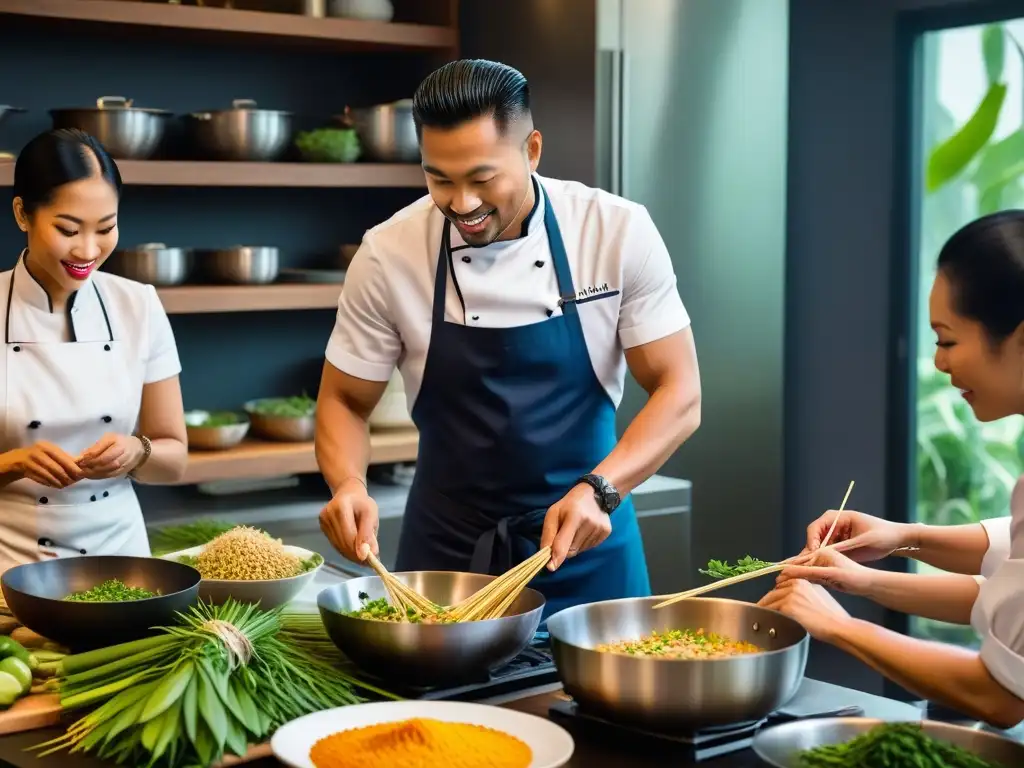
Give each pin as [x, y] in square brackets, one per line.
[89, 386]
[977, 312]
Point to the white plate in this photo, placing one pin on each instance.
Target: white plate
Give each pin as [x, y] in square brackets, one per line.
[551, 744]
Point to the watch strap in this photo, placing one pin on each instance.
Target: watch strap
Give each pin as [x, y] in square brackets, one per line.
[607, 496]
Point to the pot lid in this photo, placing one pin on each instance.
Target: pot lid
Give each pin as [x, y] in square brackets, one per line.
[239, 105]
[112, 104]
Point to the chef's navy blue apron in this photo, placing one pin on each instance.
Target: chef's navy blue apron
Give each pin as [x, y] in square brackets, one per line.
[509, 419]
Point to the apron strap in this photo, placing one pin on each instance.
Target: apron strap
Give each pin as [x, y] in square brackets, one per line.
[494, 552]
[566, 289]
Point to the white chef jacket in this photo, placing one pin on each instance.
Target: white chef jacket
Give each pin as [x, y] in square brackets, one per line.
[618, 260]
[998, 614]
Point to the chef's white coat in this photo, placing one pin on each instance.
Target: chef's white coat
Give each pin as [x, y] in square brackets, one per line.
[69, 383]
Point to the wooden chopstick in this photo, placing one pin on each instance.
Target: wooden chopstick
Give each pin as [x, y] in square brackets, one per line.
[774, 568]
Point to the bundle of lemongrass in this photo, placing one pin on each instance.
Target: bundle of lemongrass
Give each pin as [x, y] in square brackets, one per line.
[222, 678]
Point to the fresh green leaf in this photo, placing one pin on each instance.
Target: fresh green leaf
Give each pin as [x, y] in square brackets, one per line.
[952, 156]
[993, 50]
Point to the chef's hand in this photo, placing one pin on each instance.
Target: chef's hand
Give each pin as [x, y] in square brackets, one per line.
[863, 537]
[573, 525]
[350, 521]
[830, 569]
[810, 605]
[112, 455]
[45, 463]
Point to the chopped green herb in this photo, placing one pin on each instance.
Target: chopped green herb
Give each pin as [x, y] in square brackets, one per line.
[111, 591]
[720, 569]
[381, 610]
[893, 745]
[288, 407]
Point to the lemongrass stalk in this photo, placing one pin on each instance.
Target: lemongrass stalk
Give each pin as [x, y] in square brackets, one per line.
[80, 662]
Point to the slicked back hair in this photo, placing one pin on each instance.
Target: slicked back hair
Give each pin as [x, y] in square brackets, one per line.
[466, 89]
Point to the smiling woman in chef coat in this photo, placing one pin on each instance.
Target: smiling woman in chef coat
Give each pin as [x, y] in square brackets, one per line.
[89, 387]
[977, 312]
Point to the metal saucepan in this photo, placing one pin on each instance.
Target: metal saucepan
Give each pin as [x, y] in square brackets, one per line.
[241, 133]
[386, 132]
[780, 746]
[152, 263]
[427, 655]
[35, 594]
[127, 132]
[241, 264]
[683, 694]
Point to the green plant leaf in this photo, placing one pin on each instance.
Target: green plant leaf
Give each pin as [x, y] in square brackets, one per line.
[1000, 163]
[993, 50]
[953, 155]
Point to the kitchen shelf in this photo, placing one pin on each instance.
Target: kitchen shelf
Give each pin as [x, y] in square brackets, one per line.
[254, 458]
[196, 299]
[187, 173]
[294, 29]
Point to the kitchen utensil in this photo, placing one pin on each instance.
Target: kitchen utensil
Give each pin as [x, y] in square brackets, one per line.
[387, 132]
[269, 593]
[127, 132]
[677, 694]
[241, 133]
[5, 110]
[152, 263]
[365, 10]
[247, 265]
[290, 429]
[400, 596]
[428, 654]
[35, 593]
[780, 746]
[550, 744]
[215, 438]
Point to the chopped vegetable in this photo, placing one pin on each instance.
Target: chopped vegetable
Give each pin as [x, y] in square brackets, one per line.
[381, 610]
[111, 591]
[681, 644]
[19, 670]
[720, 569]
[287, 407]
[893, 745]
[329, 145]
[10, 689]
[173, 538]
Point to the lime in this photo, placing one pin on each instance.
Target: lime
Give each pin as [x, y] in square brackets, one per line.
[19, 670]
[10, 689]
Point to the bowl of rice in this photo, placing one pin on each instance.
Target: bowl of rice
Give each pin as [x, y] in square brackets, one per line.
[250, 566]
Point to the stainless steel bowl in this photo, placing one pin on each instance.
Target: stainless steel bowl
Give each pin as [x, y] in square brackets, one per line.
[387, 132]
[427, 655]
[127, 132]
[215, 438]
[684, 694]
[780, 746]
[242, 264]
[152, 263]
[241, 133]
[289, 429]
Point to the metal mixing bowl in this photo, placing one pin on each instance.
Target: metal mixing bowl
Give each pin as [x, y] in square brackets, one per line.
[387, 132]
[780, 746]
[127, 132]
[35, 594]
[241, 133]
[242, 264]
[289, 429]
[427, 655]
[677, 694]
[215, 438]
[152, 263]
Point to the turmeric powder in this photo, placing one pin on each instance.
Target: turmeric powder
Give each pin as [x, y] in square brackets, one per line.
[421, 743]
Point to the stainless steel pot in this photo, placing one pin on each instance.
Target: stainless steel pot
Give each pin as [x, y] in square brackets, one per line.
[242, 133]
[243, 264]
[684, 694]
[127, 132]
[387, 132]
[5, 110]
[152, 263]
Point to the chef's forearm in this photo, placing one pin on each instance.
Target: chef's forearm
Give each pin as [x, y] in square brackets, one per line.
[342, 443]
[670, 417]
[166, 463]
[952, 548]
[945, 674]
[945, 597]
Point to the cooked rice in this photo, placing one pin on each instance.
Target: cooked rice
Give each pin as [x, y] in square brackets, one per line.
[247, 554]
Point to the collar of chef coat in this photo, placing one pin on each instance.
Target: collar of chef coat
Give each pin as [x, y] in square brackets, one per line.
[534, 221]
[32, 318]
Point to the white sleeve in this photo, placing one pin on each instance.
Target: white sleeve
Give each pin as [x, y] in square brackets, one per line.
[998, 531]
[1002, 647]
[651, 307]
[365, 342]
[162, 356]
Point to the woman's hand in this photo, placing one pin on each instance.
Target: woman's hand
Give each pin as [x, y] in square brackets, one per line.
[830, 569]
[44, 463]
[864, 537]
[808, 604]
[112, 455]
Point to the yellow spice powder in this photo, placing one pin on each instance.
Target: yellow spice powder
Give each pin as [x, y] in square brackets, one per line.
[421, 743]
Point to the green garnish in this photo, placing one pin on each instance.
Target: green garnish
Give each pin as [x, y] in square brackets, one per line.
[381, 610]
[111, 591]
[289, 407]
[720, 569]
[893, 745]
[329, 145]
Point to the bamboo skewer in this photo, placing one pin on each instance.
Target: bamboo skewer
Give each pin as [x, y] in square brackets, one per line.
[493, 600]
[774, 568]
[402, 596]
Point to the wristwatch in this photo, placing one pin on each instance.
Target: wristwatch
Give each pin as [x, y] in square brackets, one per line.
[607, 497]
[147, 451]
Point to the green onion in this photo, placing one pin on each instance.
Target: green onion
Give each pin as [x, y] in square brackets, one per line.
[893, 745]
[111, 591]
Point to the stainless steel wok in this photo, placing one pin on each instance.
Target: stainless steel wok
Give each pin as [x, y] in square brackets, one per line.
[685, 694]
[427, 655]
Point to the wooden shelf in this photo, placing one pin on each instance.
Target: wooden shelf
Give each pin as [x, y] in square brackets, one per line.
[338, 34]
[196, 299]
[187, 173]
[255, 458]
